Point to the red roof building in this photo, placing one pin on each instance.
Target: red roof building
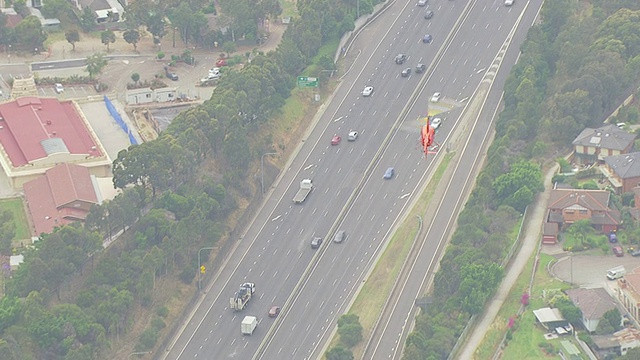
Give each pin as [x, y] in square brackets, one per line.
[39, 133]
[62, 195]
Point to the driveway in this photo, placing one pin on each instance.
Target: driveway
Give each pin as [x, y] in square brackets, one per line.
[590, 270]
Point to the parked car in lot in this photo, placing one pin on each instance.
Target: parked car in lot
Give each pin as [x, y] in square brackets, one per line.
[221, 63]
[420, 68]
[59, 88]
[335, 140]
[316, 242]
[635, 252]
[406, 72]
[388, 174]
[617, 250]
[367, 91]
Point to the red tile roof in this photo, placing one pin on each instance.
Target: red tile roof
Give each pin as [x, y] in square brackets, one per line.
[50, 197]
[33, 128]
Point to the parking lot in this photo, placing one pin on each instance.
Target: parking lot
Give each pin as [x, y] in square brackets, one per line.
[590, 270]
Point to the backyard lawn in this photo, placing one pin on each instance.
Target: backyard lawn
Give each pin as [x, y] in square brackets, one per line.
[19, 217]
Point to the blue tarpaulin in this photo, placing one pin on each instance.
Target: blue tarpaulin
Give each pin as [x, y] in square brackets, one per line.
[116, 116]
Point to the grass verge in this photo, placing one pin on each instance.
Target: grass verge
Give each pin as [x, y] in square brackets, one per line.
[526, 334]
[374, 293]
[19, 217]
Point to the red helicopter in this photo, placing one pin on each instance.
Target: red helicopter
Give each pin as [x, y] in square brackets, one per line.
[427, 137]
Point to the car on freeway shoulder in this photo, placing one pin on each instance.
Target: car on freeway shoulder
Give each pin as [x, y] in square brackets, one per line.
[367, 91]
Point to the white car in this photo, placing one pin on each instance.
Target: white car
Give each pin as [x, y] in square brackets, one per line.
[436, 122]
[59, 88]
[368, 90]
[436, 97]
[353, 135]
[214, 72]
[508, 2]
[422, 2]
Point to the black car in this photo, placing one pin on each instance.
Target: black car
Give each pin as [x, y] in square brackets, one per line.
[401, 58]
[406, 72]
[420, 68]
[428, 14]
[316, 242]
[172, 76]
[635, 252]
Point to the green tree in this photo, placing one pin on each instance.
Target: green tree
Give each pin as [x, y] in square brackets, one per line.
[614, 318]
[20, 6]
[108, 37]
[339, 352]
[87, 19]
[478, 283]
[350, 334]
[72, 36]
[522, 174]
[229, 47]
[58, 9]
[7, 232]
[132, 37]
[29, 34]
[95, 64]
[135, 77]
[580, 230]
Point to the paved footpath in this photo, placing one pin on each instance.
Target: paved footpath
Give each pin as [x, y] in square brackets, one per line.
[532, 231]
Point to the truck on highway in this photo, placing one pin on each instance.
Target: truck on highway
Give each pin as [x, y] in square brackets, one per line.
[616, 273]
[241, 298]
[305, 188]
[249, 324]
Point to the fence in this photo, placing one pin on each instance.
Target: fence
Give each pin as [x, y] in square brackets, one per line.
[116, 115]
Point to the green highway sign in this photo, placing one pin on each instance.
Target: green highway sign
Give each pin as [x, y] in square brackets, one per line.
[304, 81]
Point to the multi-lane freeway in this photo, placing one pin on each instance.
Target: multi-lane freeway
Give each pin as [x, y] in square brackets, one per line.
[315, 286]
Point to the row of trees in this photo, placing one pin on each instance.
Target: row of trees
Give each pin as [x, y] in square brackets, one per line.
[574, 68]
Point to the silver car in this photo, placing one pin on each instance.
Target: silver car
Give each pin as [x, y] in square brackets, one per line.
[368, 90]
[340, 236]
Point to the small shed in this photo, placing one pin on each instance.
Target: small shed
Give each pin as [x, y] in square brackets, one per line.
[551, 319]
[15, 261]
[139, 96]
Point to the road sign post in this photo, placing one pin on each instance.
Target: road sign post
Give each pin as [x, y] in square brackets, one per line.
[306, 81]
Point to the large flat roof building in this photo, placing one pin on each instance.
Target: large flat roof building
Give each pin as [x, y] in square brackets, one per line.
[39, 133]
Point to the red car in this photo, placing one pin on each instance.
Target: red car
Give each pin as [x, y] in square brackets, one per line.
[617, 250]
[335, 140]
[274, 311]
[221, 62]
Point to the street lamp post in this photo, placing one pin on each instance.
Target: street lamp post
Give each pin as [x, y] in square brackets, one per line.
[262, 170]
[199, 266]
[139, 353]
[571, 265]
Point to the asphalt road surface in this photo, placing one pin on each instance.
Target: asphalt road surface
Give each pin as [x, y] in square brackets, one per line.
[275, 252]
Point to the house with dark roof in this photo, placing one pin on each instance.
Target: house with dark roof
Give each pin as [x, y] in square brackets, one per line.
[593, 145]
[593, 303]
[567, 206]
[105, 10]
[64, 194]
[38, 133]
[623, 171]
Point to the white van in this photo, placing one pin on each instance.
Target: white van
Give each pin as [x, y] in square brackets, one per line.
[616, 273]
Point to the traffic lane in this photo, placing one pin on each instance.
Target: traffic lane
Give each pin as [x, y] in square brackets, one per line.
[379, 221]
[58, 64]
[393, 335]
[589, 270]
[468, 59]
